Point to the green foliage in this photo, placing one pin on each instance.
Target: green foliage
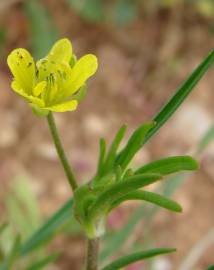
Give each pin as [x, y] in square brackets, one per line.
[208, 137]
[126, 260]
[43, 262]
[114, 183]
[169, 165]
[23, 219]
[133, 146]
[43, 32]
[149, 197]
[49, 229]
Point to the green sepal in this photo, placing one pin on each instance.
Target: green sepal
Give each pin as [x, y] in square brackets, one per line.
[80, 95]
[38, 111]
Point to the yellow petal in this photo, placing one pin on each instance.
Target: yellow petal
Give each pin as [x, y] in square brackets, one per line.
[22, 67]
[63, 107]
[85, 67]
[61, 51]
[39, 88]
[34, 100]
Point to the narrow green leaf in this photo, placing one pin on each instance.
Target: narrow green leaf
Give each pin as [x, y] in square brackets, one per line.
[49, 229]
[133, 145]
[183, 91]
[170, 165]
[114, 147]
[149, 197]
[138, 256]
[43, 262]
[207, 138]
[101, 156]
[14, 253]
[115, 191]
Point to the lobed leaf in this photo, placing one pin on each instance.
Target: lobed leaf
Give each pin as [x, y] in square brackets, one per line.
[169, 165]
[138, 256]
[149, 197]
[115, 191]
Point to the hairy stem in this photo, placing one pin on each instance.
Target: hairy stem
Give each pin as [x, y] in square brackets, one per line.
[92, 254]
[61, 152]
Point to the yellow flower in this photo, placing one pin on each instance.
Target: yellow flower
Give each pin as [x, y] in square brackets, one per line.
[53, 83]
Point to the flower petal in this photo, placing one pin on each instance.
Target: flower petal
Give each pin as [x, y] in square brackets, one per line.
[34, 100]
[63, 107]
[85, 67]
[61, 51]
[39, 88]
[22, 66]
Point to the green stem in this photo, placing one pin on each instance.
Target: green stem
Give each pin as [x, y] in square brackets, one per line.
[60, 151]
[92, 254]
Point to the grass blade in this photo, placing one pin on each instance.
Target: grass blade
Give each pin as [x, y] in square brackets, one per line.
[126, 260]
[207, 138]
[174, 103]
[49, 229]
[170, 165]
[43, 262]
[150, 197]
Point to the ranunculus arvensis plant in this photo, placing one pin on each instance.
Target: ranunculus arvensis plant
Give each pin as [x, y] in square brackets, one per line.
[57, 83]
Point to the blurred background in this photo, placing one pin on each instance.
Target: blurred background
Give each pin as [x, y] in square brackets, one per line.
[145, 50]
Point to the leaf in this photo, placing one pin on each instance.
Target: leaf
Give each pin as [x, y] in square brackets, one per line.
[134, 257]
[49, 229]
[114, 147]
[101, 156]
[133, 145]
[169, 165]
[43, 32]
[43, 262]
[182, 93]
[14, 252]
[115, 191]
[149, 197]
[207, 138]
